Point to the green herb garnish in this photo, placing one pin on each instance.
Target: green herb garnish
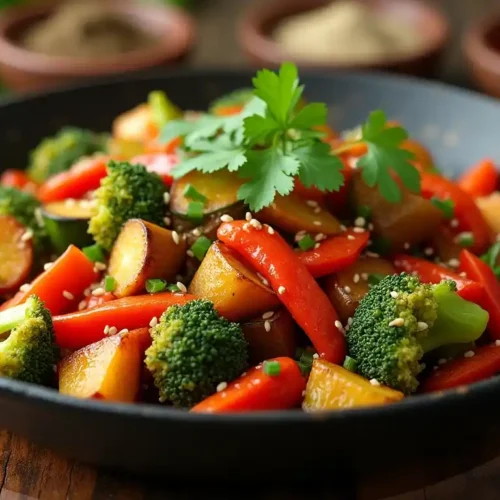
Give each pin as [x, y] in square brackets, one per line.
[94, 253]
[195, 211]
[446, 206]
[306, 242]
[465, 240]
[173, 288]
[350, 364]
[200, 247]
[272, 368]
[109, 284]
[156, 285]
[364, 211]
[192, 193]
[305, 362]
[491, 258]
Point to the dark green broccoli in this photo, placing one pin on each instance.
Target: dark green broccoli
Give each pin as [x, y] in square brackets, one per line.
[25, 208]
[29, 352]
[58, 153]
[128, 192]
[193, 351]
[401, 319]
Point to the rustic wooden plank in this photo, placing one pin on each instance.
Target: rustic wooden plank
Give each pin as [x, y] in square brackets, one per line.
[81, 482]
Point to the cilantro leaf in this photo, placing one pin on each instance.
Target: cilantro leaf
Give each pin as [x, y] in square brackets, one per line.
[270, 171]
[175, 128]
[259, 128]
[309, 116]
[318, 167]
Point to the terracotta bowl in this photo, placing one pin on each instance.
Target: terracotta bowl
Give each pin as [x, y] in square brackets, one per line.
[23, 70]
[258, 23]
[482, 50]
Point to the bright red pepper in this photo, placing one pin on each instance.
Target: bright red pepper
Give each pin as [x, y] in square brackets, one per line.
[159, 163]
[463, 371]
[294, 285]
[256, 391]
[429, 272]
[479, 271]
[17, 179]
[481, 179]
[94, 301]
[335, 253]
[79, 329]
[466, 211]
[82, 177]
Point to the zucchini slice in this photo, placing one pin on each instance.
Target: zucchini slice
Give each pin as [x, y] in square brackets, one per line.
[67, 223]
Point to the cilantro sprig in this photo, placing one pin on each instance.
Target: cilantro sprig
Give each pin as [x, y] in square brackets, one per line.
[276, 139]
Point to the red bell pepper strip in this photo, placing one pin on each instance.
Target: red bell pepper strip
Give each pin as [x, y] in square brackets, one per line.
[79, 329]
[335, 253]
[159, 163]
[463, 371]
[481, 179]
[17, 179]
[72, 272]
[466, 211]
[271, 256]
[82, 177]
[479, 271]
[256, 391]
[429, 272]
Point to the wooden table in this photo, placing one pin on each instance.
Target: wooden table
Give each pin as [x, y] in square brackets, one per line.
[27, 471]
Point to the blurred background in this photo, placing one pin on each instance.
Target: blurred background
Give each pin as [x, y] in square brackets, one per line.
[45, 44]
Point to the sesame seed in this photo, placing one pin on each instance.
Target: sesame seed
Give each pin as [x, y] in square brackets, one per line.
[312, 203]
[113, 330]
[166, 197]
[315, 355]
[270, 230]
[374, 382]
[360, 221]
[358, 229]
[454, 223]
[39, 217]
[349, 321]
[189, 253]
[100, 266]
[497, 343]
[317, 210]
[338, 324]
[175, 237]
[226, 218]
[299, 235]
[248, 216]
[106, 329]
[281, 290]
[428, 251]
[267, 326]
[394, 294]
[24, 288]
[87, 292]
[441, 361]
[28, 235]
[371, 227]
[422, 325]
[356, 278]
[98, 292]
[319, 237]
[264, 281]
[167, 221]
[181, 287]
[364, 276]
[255, 223]
[406, 246]
[342, 227]
[397, 322]
[123, 332]
[47, 266]
[82, 305]
[317, 245]
[469, 354]
[351, 237]
[256, 381]
[463, 274]
[347, 289]
[317, 223]
[68, 295]
[196, 232]
[246, 227]
[374, 255]
[237, 386]
[454, 263]
[268, 314]
[153, 322]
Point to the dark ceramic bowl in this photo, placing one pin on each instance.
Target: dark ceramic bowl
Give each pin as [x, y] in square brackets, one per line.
[23, 70]
[256, 27]
[425, 437]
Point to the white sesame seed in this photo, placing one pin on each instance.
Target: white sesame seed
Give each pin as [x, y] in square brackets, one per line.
[372, 254]
[246, 227]
[428, 251]
[196, 232]
[87, 292]
[226, 218]
[98, 292]
[422, 325]
[454, 223]
[454, 263]
[347, 289]
[281, 290]
[351, 237]
[123, 332]
[106, 329]
[349, 321]
[100, 266]
[303, 393]
[237, 386]
[497, 343]
[264, 281]
[394, 294]
[25, 287]
[364, 276]
[397, 322]
[166, 197]
[190, 253]
[338, 324]
[248, 216]
[270, 230]
[441, 361]
[68, 295]
[356, 278]
[153, 322]
[319, 237]
[28, 235]
[374, 382]
[39, 217]
[312, 203]
[82, 305]
[175, 237]
[371, 227]
[469, 354]
[256, 381]
[315, 355]
[167, 221]
[47, 266]
[268, 314]
[317, 210]
[463, 274]
[113, 330]
[406, 246]
[317, 223]
[182, 287]
[255, 223]
[360, 221]
[358, 229]
[317, 245]
[342, 227]
[267, 326]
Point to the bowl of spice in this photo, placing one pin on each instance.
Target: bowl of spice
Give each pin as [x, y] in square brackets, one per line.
[52, 44]
[402, 35]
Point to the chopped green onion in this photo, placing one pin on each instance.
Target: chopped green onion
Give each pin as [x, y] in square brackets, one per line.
[200, 247]
[465, 240]
[446, 206]
[94, 253]
[173, 288]
[350, 364]
[156, 285]
[380, 245]
[375, 278]
[491, 257]
[364, 211]
[194, 194]
[109, 284]
[272, 368]
[306, 361]
[195, 211]
[306, 243]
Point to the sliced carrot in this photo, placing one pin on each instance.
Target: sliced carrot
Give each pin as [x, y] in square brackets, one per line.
[481, 179]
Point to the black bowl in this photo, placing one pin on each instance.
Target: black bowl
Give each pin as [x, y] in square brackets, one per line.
[425, 437]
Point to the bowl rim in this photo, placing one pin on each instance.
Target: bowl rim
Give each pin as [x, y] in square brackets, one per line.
[169, 46]
[259, 45]
[23, 391]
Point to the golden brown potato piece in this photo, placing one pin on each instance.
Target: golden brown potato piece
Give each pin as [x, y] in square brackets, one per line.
[144, 251]
[132, 126]
[490, 208]
[235, 289]
[411, 221]
[331, 387]
[109, 369]
[346, 288]
[271, 336]
[292, 214]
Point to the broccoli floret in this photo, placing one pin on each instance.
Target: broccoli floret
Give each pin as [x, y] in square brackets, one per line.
[29, 352]
[193, 351]
[23, 207]
[58, 153]
[128, 192]
[401, 319]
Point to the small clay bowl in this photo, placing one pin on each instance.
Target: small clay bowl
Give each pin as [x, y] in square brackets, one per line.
[482, 51]
[258, 23]
[23, 70]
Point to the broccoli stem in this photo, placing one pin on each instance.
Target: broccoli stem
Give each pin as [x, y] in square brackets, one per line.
[458, 320]
[12, 317]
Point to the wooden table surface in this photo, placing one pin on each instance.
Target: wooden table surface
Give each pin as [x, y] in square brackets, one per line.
[27, 471]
